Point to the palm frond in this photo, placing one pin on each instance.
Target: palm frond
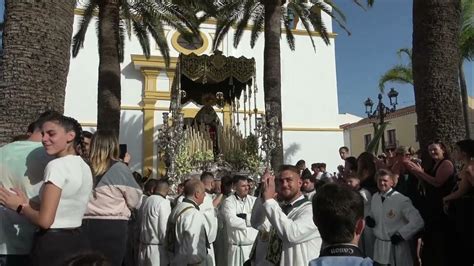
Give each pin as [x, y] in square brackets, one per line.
[336, 9]
[290, 39]
[249, 8]
[398, 74]
[466, 38]
[157, 32]
[78, 39]
[302, 12]
[258, 23]
[340, 20]
[229, 15]
[319, 26]
[121, 44]
[369, 3]
[467, 44]
[125, 10]
[407, 52]
[142, 36]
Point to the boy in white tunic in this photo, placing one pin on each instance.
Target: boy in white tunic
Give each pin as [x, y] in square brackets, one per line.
[237, 211]
[394, 220]
[294, 239]
[154, 217]
[188, 239]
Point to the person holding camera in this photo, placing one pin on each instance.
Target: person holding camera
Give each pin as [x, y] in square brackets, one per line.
[237, 211]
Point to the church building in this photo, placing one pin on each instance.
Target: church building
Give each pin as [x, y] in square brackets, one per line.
[309, 92]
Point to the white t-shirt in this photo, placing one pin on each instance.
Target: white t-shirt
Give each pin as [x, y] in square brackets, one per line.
[73, 176]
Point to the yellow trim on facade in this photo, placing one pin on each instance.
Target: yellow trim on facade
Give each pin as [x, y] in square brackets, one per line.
[181, 49]
[312, 129]
[153, 62]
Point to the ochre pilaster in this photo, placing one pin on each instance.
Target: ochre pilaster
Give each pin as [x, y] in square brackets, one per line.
[149, 103]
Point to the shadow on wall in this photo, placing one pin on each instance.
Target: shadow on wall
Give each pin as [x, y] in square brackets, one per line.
[131, 133]
[289, 152]
[129, 72]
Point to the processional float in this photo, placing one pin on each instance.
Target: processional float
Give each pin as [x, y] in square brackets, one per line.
[218, 84]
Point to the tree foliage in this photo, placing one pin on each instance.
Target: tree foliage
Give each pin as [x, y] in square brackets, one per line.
[142, 18]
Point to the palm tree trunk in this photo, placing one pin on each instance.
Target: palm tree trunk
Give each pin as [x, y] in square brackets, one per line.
[464, 98]
[272, 71]
[435, 71]
[35, 62]
[109, 88]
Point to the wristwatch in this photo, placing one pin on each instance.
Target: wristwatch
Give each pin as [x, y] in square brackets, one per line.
[20, 208]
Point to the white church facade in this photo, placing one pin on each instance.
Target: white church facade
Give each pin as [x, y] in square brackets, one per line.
[309, 93]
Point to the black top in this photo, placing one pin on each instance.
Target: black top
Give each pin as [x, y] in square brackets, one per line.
[432, 211]
[342, 250]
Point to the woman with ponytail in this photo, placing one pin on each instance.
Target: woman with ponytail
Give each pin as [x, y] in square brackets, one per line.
[115, 192]
[63, 197]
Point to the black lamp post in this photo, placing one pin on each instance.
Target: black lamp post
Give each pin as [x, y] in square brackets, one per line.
[381, 109]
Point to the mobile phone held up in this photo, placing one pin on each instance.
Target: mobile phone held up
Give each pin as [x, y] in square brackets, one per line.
[123, 150]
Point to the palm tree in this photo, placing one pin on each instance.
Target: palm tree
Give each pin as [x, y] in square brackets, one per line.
[35, 62]
[400, 73]
[267, 16]
[403, 73]
[115, 19]
[435, 71]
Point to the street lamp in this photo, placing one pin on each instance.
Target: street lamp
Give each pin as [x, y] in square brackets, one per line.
[381, 109]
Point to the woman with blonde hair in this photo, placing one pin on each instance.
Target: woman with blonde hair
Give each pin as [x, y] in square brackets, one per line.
[115, 192]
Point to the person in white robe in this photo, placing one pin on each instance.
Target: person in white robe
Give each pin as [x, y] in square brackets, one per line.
[294, 238]
[155, 212]
[237, 210]
[395, 222]
[221, 244]
[188, 244]
[209, 211]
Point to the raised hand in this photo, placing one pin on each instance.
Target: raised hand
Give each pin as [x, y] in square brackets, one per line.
[269, 186]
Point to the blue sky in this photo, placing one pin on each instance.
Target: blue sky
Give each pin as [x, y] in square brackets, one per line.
[364, 56]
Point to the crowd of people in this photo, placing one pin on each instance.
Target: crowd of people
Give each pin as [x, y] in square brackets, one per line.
[67, 198]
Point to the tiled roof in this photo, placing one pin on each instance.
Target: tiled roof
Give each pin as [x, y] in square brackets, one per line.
[398, 113]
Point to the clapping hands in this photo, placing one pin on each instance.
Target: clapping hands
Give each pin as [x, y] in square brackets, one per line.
[269, 186]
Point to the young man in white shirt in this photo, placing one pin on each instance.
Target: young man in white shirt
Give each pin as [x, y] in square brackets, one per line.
[237, 211]
[294, 238]
[209, 210]
[154, 218]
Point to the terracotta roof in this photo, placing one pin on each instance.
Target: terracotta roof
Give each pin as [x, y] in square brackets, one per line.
[398, 113]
